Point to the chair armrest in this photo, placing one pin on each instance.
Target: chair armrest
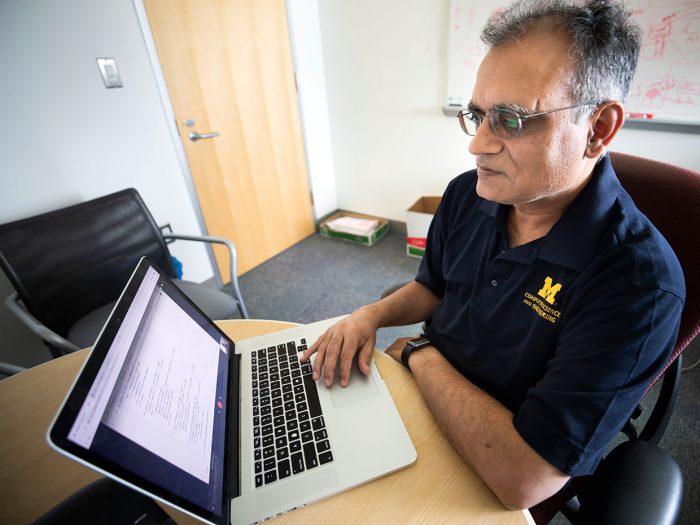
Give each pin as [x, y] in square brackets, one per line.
[9, 369]
[233, 260]
[637, 483]
[31, 322]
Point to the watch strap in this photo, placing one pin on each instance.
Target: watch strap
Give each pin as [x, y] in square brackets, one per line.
[412, 346]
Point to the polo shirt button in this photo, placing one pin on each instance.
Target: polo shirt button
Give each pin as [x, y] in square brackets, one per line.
[494, 283]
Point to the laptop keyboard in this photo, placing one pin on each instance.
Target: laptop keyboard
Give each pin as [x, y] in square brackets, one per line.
[289, 433]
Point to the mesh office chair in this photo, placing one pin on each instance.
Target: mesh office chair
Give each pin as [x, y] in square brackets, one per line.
[69, 266]
[637, 482]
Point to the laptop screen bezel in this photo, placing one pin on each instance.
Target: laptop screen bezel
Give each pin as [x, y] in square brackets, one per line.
[67, 414]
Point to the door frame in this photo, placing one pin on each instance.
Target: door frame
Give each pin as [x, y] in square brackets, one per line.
[167, 105]
[313, 113]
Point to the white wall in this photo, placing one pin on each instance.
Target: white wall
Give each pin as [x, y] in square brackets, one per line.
[305, 34]
[66, 138]
[386, 76]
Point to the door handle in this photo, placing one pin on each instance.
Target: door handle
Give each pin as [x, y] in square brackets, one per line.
[194, 136]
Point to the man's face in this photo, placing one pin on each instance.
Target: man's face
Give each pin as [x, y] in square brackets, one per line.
[545, 164]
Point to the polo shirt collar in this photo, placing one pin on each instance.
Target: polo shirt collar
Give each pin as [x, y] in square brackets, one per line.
[573, 239]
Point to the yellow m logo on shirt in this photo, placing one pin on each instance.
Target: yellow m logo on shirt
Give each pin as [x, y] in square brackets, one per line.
[548, 291]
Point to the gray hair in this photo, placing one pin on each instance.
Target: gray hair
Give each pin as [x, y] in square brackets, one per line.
[605, 42]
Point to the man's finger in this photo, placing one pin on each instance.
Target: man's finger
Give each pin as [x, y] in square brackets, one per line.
[347, 355]
[365, 356]
[313, 348]
[330, 359]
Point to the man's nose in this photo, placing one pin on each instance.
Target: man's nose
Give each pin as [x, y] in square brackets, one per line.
[485, 140]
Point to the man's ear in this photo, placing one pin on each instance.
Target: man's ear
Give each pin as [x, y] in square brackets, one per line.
[606, 122]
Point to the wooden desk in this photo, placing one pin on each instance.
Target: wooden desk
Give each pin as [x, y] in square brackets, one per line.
[439, 488]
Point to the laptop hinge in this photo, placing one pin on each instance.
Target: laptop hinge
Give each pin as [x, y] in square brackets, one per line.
[234, 429]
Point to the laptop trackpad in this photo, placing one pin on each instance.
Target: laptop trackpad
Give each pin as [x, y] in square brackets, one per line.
[360, 387]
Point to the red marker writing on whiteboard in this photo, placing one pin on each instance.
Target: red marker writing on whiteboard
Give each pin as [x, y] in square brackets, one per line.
[640, 115]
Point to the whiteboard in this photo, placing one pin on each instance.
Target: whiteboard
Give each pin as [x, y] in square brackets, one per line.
[666, 87]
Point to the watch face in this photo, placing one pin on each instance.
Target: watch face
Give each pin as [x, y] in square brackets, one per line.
[419, 341]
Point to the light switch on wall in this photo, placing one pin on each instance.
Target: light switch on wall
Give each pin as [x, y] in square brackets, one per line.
[110, 73]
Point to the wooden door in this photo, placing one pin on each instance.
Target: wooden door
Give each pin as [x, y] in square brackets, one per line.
[228, 68]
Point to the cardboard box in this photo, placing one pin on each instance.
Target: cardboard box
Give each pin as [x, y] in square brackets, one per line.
[418, 219]
[366, 240]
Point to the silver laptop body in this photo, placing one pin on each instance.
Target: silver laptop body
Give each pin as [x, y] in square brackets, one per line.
[171, 407]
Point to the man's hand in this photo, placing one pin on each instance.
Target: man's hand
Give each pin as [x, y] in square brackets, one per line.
[340, 343]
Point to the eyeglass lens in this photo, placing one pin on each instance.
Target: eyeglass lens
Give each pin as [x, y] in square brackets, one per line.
[505, 124]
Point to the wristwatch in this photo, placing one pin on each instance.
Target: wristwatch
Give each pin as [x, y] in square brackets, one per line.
[412, 346]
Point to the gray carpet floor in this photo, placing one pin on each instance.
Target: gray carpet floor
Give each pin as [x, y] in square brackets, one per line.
[321, 278]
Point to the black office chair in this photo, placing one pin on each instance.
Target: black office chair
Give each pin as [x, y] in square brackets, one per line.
[108, 503]
[69, 266]
[637, 482]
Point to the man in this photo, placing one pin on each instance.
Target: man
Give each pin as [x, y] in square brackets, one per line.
[552, 300]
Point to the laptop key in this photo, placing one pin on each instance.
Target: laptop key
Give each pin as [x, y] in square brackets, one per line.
[258, 480]
[269, 464]
[258, 467]
[319, 423]
[295, 446]
[284, 469]
[325, 457]
[310, 459]
[322, 446]
[270, 477]
[312, 395]
[297, 463]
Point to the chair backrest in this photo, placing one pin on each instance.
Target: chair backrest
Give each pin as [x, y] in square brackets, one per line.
[68, 262]
[670, 196]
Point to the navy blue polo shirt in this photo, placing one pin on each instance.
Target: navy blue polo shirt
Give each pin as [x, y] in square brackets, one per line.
[566, 331]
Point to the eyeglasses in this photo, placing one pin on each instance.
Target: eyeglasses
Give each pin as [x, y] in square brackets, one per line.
[505, 123]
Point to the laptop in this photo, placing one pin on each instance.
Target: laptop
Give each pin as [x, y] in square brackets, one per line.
[226, 431]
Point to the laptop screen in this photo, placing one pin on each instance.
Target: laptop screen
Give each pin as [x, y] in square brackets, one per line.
[155, 405]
